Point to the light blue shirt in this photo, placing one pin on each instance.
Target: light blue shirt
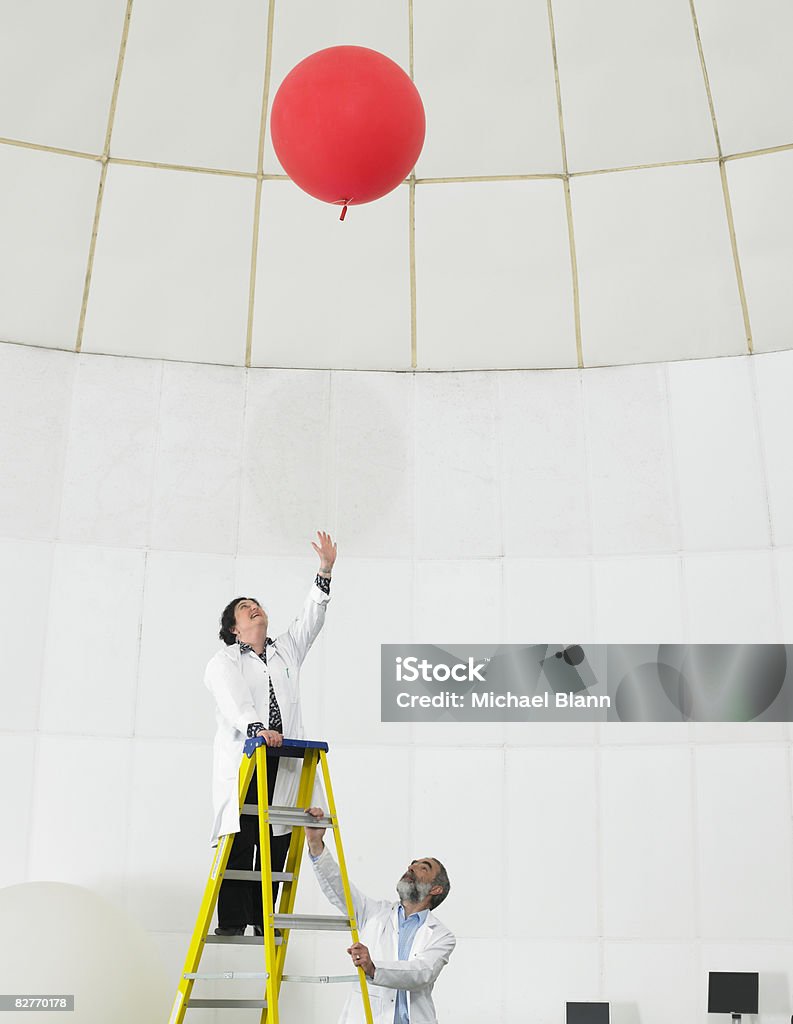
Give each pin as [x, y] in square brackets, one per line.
[407, 933]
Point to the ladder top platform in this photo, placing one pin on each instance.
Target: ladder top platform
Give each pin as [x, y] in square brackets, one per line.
[289, 748]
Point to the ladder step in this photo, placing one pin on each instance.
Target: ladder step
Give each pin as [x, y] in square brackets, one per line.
[227, 976]
[312, 922]
[320, 979]
[233, 1004]
[256, 876]
[242, 940]
[290, 816]
[305, 979]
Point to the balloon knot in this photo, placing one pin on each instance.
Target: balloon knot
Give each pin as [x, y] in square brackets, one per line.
[343, 212]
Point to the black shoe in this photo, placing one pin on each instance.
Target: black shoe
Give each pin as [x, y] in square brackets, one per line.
[258, 930]
[230, 931]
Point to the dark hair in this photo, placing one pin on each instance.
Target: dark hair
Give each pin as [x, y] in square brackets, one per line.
[442, 879]
[228, 620]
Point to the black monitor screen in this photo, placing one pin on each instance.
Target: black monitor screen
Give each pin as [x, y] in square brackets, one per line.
[587, 1013]
[732, 992]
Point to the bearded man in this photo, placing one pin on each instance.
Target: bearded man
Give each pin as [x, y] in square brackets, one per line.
[403, 947]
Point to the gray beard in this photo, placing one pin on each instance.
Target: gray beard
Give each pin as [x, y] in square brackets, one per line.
[413, 892]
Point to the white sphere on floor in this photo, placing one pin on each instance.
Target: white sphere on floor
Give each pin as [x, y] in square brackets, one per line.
[59, 939]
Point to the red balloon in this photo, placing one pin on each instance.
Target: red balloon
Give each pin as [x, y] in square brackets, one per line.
[347, 125]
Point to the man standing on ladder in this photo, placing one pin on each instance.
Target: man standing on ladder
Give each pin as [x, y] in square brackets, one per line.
[255, 683]
[403, 946]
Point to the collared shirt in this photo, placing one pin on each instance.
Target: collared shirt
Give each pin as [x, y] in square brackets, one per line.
[408, 926]
[275, 712]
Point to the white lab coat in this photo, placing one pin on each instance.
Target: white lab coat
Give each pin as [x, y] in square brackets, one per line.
[378, 930]
[240, 684]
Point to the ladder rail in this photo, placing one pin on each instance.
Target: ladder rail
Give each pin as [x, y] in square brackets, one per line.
[367, 1004]
[207, 909]
[270, 959]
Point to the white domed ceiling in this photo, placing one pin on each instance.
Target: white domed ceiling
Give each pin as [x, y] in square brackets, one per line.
[601, 183]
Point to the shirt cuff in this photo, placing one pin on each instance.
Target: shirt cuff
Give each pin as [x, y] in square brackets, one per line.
[323, 582]
[253, 728]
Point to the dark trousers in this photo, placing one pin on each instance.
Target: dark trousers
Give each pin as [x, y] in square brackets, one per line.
[240, 903]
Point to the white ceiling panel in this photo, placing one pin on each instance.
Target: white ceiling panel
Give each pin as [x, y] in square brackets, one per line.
[486, 75]
[47, 207]
[191, 91]
[301, 27]
[494, 280]
[57, 67]
[656, 274]
[761, 190]
[331, 293]
[747, 49]
[631, 82]
[172, 266]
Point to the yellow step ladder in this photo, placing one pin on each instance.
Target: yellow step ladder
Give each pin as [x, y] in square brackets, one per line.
[313, 753]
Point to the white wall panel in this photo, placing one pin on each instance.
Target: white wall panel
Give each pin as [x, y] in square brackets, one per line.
[743, 824]
[183, 597]
[372, 605]
[773, 382]
[551, 851]
[494, 282]
[197, 473]
[542, 975]
[91, 653]
[731, 598]
[639, 600]
[783, 563]
[17, 760]
[717, 456]
[35, 397]
[172, 266]
[57, 64]
[374, 463]
[25, 571]
[47, 206]
[632, 87]
[458, 817]
[656, 273]
[545, 498]
[191, 92]
[285, 462]
[80, 812]
[490, 78]
[647, 863]
[548, 600]
[762, 204]
[455, 996]
[458, 603]
[110, 455]
[747, 52]
[378, 844]
[633, 502]
[327, 293]
[170, 818]
[651, 982]
[457, 487]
